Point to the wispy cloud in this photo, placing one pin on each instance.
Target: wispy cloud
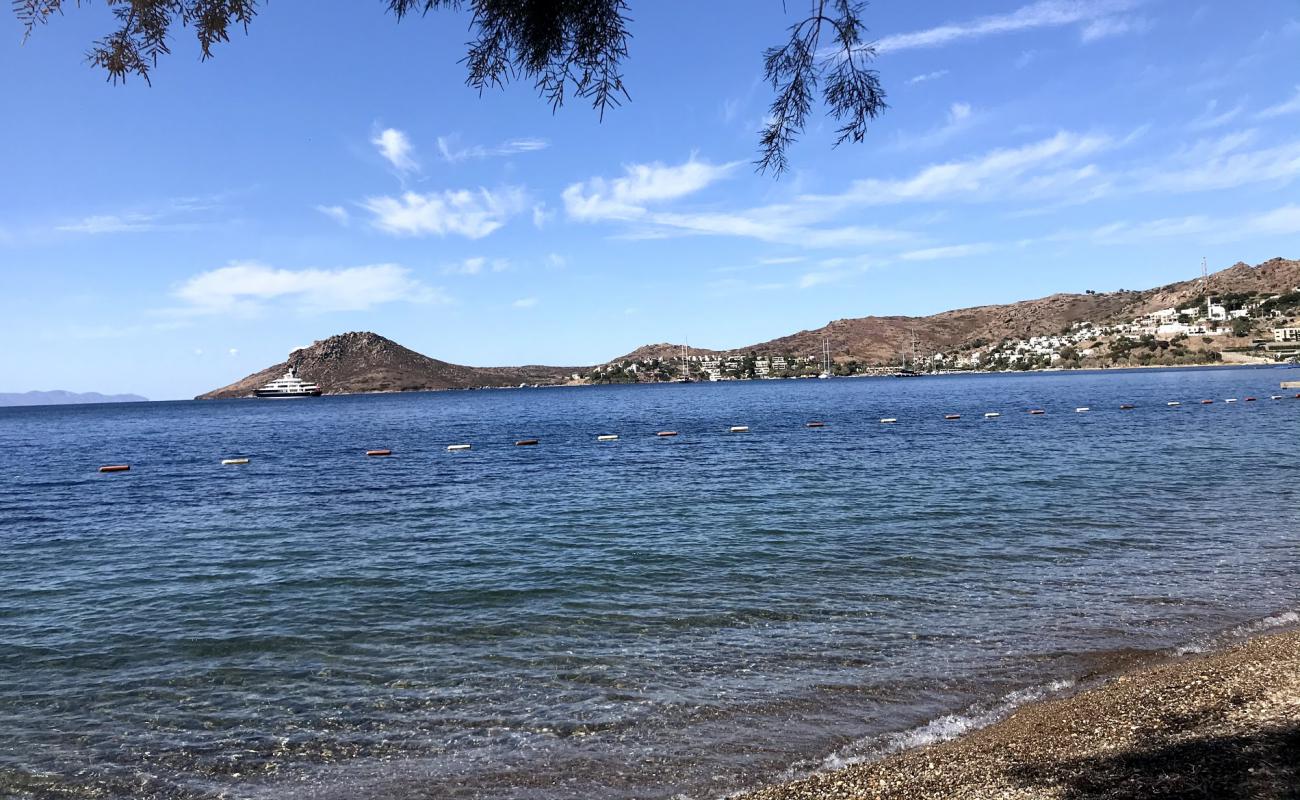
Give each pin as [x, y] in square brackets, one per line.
[525, 302]
[1042, 14]
[452, 153]
[1211, 117]
[337, 213]
[640, 186]
[948, 251]
[396, 148]
[476, 266]
[928, 76]
[250, 287]
[1284, 108]
[1201, 228]
[470, 213]
[1107, 27]
[176, 214]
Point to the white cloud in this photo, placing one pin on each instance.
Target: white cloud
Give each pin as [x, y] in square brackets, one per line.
[542, 215]
[1041, 14]
[249, 287]
[958, 112]
[949, 251]
[473, 214]
[1200, 228]
[1290, 106]
[1026, 58]
[1211, 117]
[556, 261]
[476, 266]
[111, 223]
[995, 174]
[453, 154]
[337, 213]
[1222, 164]
[394, 146]
[1106, 27]
[525, 302]
[928, 76]
[234, 351]
[641, 185]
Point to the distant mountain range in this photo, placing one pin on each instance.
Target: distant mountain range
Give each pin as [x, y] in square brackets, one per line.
[367, 362]
[62, 398]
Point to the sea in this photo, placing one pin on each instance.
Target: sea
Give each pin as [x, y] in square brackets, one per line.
[649, 617]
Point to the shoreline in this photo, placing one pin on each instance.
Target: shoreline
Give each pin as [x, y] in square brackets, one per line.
[1222, 724]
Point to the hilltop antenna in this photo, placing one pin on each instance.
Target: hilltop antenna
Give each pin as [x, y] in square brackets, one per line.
[1205, 276]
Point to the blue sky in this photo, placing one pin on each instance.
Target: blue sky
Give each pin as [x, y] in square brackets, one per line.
[332, 172]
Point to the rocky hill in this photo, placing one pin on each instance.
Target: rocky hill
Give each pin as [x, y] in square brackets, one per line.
[662, 352]
[359, 362]
[881, 340]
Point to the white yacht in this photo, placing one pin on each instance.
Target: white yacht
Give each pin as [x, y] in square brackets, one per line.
[288, 386]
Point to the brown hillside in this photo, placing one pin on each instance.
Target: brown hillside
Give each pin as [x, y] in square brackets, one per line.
[367, 362]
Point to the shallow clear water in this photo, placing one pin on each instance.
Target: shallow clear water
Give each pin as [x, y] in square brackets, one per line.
[641, 618]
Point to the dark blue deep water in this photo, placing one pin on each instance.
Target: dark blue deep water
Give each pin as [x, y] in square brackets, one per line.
[645, 618]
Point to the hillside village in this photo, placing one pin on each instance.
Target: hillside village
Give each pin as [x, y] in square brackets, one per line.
[1245, 326]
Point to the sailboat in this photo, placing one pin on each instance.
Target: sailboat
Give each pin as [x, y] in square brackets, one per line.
[905, 372]
[686, 366]
[826, 359]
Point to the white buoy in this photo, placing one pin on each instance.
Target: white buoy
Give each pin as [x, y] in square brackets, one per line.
[458, 447]
[1275, 397]
[233, 461]
[888, 420]
[1173, 403]
[740, 429]
[991, 415]
[1230, 400]
[1082, 410]
[607, 437]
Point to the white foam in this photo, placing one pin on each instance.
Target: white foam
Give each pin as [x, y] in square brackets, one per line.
[941, 729]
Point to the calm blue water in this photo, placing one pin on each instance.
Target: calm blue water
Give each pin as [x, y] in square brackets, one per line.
[643, 618]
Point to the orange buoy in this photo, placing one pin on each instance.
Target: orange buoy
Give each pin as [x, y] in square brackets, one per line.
[115, 468]
[525, 442]
[815, 424]
[666, 433]
[379, 452]
[1250, 399]
[952, 416]
[1207, 402]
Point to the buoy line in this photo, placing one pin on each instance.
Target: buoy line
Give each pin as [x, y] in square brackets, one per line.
[610, 437]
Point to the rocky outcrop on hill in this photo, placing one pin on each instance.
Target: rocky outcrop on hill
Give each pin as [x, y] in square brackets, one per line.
[359, 362]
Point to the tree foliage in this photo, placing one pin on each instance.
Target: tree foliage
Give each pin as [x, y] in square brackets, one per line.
[566, 48]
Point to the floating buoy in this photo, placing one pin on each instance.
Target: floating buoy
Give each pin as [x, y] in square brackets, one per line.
[1250, 399]
[115, 468]
[666, 433]
[379, 452]
[525, 442]
[740, 429]
[1230, 400]
[991, 415]
[952, 416]
[815, 424]
[234, 461]
[1126, 407]
[458, 447]
[1207, 402]
[1082, 410]
[607, 437]
[1173, 403]
[1037, 411]
[888, 420]
[1275, 397]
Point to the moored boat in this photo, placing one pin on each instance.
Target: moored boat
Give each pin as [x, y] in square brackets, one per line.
[288, 386]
